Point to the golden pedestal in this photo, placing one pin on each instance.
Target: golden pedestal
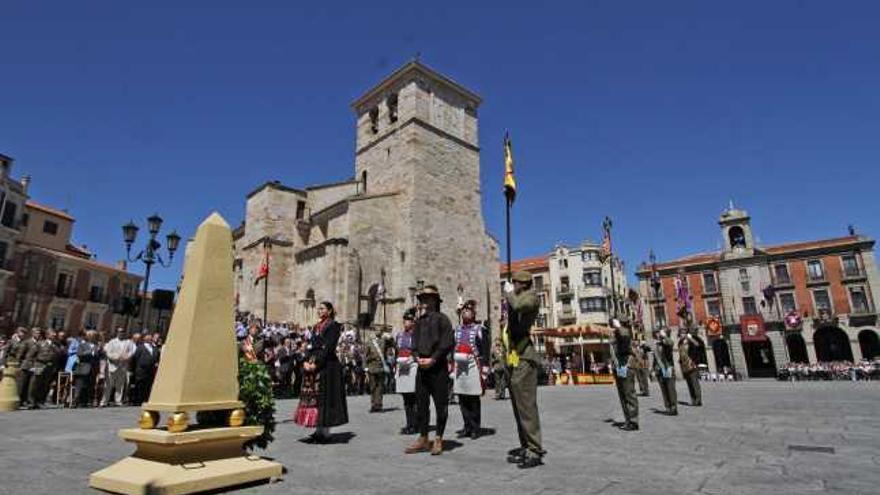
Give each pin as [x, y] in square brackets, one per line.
[9, 388]
[187, 462]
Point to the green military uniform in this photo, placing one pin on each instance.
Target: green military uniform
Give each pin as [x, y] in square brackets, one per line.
[686, 348]
[45, 352]
[499, 369]
[523, 363]
[664, 367]
[641, 359]
[376, 367]
[25, 356]
[624, 376]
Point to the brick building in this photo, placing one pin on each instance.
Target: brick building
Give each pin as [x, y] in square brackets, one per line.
[58, 284]
[759, 308]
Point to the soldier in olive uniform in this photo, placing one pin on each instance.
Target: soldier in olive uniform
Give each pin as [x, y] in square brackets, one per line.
[624, 375]
[499, 368]
[24, 355]
[45, 353]
[664, 368]
[640, 353]
[377, 368]
[687, 347]
[523, 364]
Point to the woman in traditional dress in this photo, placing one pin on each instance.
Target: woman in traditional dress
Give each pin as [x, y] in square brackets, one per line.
[322, 400]
[405, 377]
[468, 382]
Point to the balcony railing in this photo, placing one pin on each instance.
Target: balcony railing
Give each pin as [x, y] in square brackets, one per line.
[781, 281]
[564, 290]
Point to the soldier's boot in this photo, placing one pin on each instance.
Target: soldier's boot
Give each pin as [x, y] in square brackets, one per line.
[437, 449]
[516, 456]
[530, 460]
[420, 445]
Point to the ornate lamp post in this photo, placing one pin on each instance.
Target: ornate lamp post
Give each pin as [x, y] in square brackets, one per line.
[606, 227]
[150, 254]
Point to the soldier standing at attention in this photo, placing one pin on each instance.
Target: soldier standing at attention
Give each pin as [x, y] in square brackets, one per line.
[499, 368]
[624, 375]
[468, 383]
[377, 369]
[407, 367]
[523, 364]
[433, 340]
[640, 353]
[687, 345]
[664, 367]
[24, 354]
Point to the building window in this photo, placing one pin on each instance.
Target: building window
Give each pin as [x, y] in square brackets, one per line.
[746, 286]
[713, 307]
[63, 285]
[392, 107]
[592, 305]
[3, 248]
[823, 302]
[56, 319]
[541, 321]
[592, 278]
[743, 274]
[786, 302]
[710, 286]
[588, 256]
[374, 120]
[96, 294]
[24, 219]
[91, 321]
[9, 215]
[660, 315]
[749, 306]
[542, 300]
[850, 266]
[815, 271]
[781, 274]
[50, 228]
[859, 300]
[538, 282]
[300, 210]
[564, 285]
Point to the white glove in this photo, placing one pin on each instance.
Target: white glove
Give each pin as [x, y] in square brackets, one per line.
[508, 287]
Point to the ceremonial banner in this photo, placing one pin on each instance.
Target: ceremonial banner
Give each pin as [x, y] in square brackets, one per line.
[753, 328]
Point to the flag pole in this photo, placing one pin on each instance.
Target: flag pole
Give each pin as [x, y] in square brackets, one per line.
[266, 286]
[507, 220]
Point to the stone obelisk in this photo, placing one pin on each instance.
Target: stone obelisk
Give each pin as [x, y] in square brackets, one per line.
[198, 372]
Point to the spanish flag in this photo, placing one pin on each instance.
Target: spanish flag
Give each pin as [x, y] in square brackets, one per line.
[509, 180]
[264, 266]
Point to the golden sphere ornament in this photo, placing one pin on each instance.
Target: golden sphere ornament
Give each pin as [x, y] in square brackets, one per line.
[237, 417]
[148, 420]
[178, 422]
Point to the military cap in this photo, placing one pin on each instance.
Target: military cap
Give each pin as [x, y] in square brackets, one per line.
[523, 277]
[429, 290]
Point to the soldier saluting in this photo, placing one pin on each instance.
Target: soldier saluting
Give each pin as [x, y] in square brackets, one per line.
[687, 347]
[664, 368]
[624, 375]
[522, 364]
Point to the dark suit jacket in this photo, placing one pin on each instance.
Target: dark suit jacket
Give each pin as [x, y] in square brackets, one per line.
[143, 361]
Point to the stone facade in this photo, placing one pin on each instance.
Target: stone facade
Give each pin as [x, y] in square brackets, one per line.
[411, 215]
[830, 284]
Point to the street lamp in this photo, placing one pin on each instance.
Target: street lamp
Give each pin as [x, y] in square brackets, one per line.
[606, 227]
[655, 286]
[150, 254]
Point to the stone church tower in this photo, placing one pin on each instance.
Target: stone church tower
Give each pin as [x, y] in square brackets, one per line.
[411, 215]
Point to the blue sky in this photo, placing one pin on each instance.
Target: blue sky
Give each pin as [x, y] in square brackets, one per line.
[656, 113]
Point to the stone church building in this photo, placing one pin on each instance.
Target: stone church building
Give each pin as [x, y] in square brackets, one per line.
[410, 216]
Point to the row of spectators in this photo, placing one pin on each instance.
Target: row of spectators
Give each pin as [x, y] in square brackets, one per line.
[835, 370]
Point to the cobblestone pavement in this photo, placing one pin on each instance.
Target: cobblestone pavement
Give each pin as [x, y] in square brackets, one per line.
[756, 437]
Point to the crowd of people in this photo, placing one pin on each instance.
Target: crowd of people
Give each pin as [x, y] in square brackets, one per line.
[835, 370]
[83, 371]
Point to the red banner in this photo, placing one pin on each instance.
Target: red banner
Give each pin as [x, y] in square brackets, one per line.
[753, 328]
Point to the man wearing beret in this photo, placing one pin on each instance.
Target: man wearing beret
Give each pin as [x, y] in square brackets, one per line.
[433, 340]
[523, 364]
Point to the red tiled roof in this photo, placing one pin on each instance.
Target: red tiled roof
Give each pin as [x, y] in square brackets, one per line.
[533, 264]
[78, 251]
[791, 247]
[49, 210]
[88, 262]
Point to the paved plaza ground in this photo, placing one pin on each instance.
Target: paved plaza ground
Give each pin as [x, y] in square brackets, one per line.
[754, 437]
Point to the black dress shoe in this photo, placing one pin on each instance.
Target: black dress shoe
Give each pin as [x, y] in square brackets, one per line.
[630, 427]
[519, 451]
[515, 459]
[530, 462]
[475, 435]
[674, 412]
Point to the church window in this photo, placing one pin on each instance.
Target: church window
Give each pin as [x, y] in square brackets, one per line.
[364, 182]
[374, 120]
[737, 237]
[392, 107]
[300, 209]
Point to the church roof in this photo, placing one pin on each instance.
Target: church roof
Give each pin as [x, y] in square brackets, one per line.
[414, 66]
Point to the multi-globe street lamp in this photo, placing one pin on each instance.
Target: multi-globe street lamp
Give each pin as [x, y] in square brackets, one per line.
[150, 254]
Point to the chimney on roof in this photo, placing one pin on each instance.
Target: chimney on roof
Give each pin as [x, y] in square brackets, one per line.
[25, 182]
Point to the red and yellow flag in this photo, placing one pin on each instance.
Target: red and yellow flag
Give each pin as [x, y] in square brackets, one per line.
[264, 266]
[509, 179]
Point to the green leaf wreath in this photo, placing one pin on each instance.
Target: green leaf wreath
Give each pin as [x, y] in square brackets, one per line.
[255, 390]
